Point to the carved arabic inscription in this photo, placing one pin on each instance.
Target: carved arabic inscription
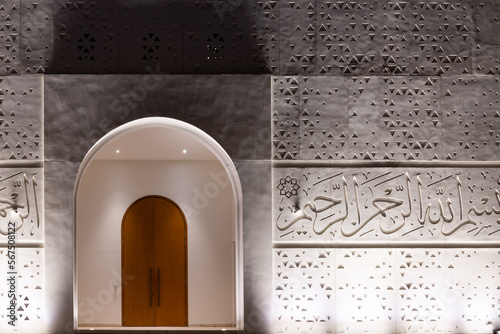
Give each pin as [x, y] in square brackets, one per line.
[386, 204]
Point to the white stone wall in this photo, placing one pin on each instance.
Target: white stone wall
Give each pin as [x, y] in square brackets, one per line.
[386, 110]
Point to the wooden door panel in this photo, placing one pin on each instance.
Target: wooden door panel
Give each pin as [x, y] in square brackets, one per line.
[154, 235]
[170, 231]
[138, 262]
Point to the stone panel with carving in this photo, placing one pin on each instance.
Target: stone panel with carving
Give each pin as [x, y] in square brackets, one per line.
[36, 36]
[285, 118]
[385, 205]
[215, 36]
[390, 290]
[323, 118]
[440, 37]
[21, 119]
[410, 123]
[364, 124]
[297, 37]
[365, 290]
[472, 294]
[347, 37]
[304, 291]
[151, 34]
[21, 198]
[486, 43]
[28, 278]
[251, 36]
[263, 38]
[10, 31]
[471, 118]
[394, 37]
[419, 288]
[86, 38]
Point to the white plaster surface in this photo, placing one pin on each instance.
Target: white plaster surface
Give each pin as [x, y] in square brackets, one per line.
[202, 191]
[232, 109]
[255, 177]
[59, 178]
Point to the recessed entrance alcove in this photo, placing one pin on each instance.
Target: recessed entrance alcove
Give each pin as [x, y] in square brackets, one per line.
[175, 163]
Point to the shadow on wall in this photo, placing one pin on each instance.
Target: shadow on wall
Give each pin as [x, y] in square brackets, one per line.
[175, 36]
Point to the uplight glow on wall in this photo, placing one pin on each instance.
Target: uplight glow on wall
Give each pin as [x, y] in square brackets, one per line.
[386, 249]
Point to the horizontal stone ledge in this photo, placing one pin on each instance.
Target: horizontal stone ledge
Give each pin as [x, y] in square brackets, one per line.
[392, 244]
[21, 164]
[24, 244]
[382, 163]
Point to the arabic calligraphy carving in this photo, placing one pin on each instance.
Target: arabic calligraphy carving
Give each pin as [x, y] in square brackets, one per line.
[387, 204]
[20, 201]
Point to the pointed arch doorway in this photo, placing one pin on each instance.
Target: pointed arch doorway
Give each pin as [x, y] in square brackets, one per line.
[151, 161]
[154, 252]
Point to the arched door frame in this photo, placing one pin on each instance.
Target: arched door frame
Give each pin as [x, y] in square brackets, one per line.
[204, 139]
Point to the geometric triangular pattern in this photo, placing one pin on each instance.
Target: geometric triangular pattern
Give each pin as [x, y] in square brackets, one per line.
[28, 288]
[263, 39]
[21, 118]
[419, 290]
[485, 52]
[10, 18]
[471, 118]
[285, 118]
[365, 290]
[393, 37]
[86, 37]
[347, 38]
[304, 291]
[472, 294]
[214, 36]
[297, 32]
[390, 290]
[364, 125]
[323, 118]
[410, 118]
[440, 38]
[148, 46]
[36, 36]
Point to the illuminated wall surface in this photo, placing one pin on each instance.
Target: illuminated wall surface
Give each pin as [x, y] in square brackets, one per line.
[367, 142]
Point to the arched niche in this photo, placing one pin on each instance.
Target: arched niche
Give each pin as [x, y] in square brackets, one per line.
[164, 157]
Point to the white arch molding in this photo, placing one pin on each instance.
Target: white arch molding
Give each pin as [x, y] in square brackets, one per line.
[208, 142]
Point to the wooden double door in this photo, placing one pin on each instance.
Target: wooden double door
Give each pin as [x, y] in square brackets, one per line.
[154, 264]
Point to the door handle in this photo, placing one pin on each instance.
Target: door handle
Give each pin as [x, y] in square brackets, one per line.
[158, 286]
[150, 286]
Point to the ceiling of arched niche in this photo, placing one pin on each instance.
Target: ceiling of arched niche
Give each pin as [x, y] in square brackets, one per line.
[155, 143]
